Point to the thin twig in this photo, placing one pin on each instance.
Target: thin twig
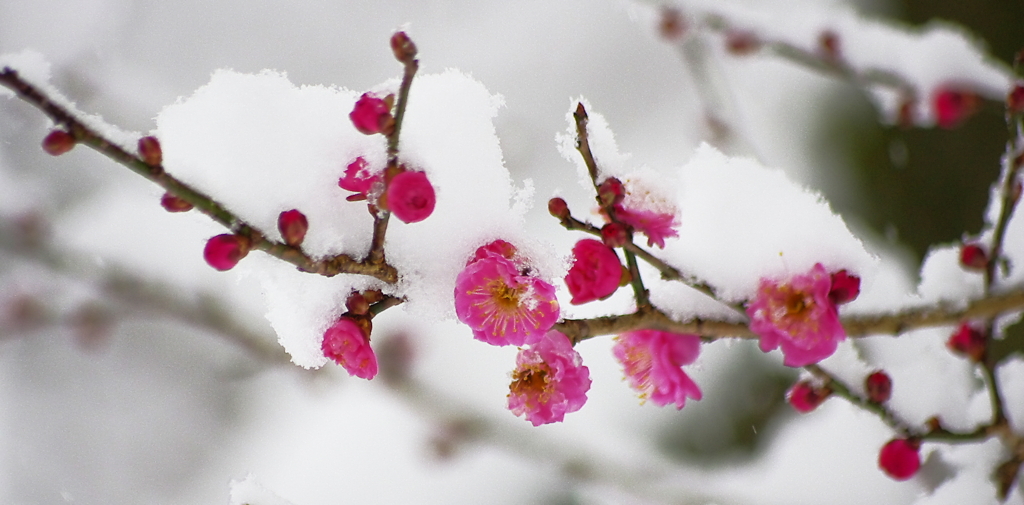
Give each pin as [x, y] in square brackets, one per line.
[342, 263]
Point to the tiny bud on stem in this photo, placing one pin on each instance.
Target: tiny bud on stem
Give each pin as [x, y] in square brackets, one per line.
[150, 152]
[58, 142]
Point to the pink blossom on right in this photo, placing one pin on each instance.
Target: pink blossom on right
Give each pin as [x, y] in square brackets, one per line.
[798, 315]
[502, 306]
[653, 362]
[549, 381]
[595, 272]
[656, 225]
[348, 345]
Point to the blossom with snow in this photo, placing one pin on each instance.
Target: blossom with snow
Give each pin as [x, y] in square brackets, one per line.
[798, 315]
[652, 361]
[500, 304]
[358, 178]
[347, 344]
[549, 381]
[595, 272]
[656, 225]
[410, 197]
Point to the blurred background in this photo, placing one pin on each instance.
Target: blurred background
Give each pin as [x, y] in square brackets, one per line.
[131, 372]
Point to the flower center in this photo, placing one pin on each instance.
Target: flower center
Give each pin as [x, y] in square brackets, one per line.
[505, 297]
[531, 383]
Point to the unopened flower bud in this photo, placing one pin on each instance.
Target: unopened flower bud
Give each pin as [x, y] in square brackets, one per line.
[973, 257]
[899, 458]
[878, 387]
[614, 235]
[968, 341]
[172, 203]
[611, 192]
[410, 196]
[741, 43]
[558, 208]
[1015, 100]
[403, 47]
[845, 287]
[805, 397]
[357, 304]
[150, 152]
[828, 42]
[223, 252]
[372, 115]
[58, 142]
[293, 225]
[953, 105]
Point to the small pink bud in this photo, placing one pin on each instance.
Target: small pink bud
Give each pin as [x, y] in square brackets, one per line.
[672, 25]
[611, 192]
[372, 115]
[403, 47]
[973, 257]
[1015, 100]
[968, 341]
[58, 142]
[411, 197]
[357, 304]
[150, 152]
[845, 287]
[741, 43]
[899, 458]
[614, 234]
[828, 42]
[558, 208]
[172, 203]
[878, 386]
[595, 272]
[805, 397]
[293, 225]
[223, 252]
[953, 106]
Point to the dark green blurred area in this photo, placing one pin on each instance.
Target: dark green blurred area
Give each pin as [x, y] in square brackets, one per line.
[926, 186]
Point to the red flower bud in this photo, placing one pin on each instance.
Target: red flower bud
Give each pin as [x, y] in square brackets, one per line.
[878, 386]
[1015, 100]
[58, 142]
[357, 304]
[372, 115]
[973, 257]
[150, 152]
[968, 341]
[223, 252]
[558, 208]
[293, 225]
[172, 203]
[741, 43]
[953, 106]
[403, 47]
[410, 197]
[805, 397]
[899, 458]
[614, 234]
[611, 192]
[845, 287]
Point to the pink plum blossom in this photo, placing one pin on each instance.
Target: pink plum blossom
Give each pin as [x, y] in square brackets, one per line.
[595, 272]
[799, 316]
[653, 362]
[656, 225]
[358, 177]
[410, 197]
[549, 381]
[502, 306]
[347, 344]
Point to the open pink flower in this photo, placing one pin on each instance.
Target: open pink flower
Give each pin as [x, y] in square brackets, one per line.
[549, 381]
[799, 316]
[348, 345]
[595, 271]
[358, 177]
[411, 197]
[656, 225]
[653, 362]
[502, 306]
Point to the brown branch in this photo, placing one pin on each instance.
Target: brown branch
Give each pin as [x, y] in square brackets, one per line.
[84, 134]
